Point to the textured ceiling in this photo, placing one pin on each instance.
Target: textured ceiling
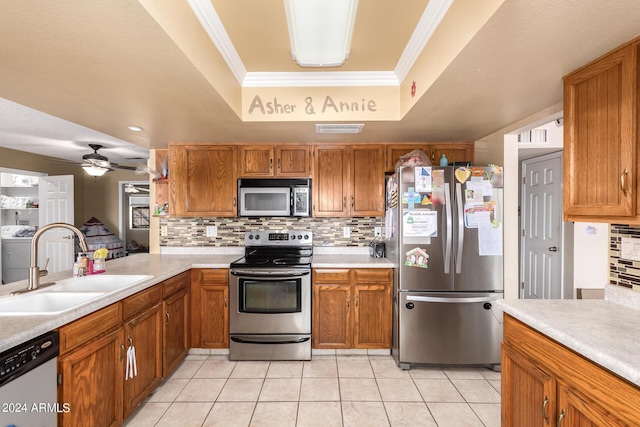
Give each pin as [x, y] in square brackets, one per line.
[101, 66]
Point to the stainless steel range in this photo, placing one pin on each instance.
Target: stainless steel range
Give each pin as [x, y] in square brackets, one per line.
[270, 297]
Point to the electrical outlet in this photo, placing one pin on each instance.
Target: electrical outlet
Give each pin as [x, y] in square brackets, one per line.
[212, 231]
[346, 231]
[163, 231]
[377, 231]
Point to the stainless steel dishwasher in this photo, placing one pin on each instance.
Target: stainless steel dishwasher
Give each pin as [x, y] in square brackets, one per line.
[28, 395]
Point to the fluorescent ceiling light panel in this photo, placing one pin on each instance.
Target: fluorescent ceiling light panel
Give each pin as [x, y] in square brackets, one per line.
[320, 31]
[339, 128]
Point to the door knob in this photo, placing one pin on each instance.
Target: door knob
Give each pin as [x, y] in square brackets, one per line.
[553, 249]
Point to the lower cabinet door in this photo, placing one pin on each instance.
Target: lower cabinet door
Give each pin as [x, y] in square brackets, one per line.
[372, 322]
[332, 324]
[92, 383]
[575, 411]
[144, 334]
[214, 316]
[176, 330]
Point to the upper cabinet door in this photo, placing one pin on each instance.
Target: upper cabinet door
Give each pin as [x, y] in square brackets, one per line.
[203, 180]
[454, 152]
[600, 138]
[256, 161]
[293, 161]
[367, 180]
[330, 180]
[395, 151]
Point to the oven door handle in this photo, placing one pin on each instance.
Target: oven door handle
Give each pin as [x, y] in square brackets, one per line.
[270, 341]
[271, 273]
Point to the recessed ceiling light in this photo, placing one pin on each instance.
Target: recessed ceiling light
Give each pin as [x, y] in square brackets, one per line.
[339, 128]
[135, 128]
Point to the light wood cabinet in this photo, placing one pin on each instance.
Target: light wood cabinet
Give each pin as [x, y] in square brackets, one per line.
[600, 139]
[545, 383]
[352, 308]
[348, 180]
[176, 324]
[91, 369]
[275, 161]
[454, 151]
[203, 180]
[210, 308]
[143, 331]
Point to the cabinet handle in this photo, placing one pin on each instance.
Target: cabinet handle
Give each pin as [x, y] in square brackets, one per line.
[561, 418]
[347, 302]
[130, 341]
[278, 164]
[344, 202]
[225, 302]
[544, 409]
[167, 314]
[234, 202]
[623, 181]
[122, 350]
[271, 164]
[352, 202]
[356, 301]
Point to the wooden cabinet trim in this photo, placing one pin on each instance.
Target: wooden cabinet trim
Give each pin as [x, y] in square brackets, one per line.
[175, 283]
[372, 275]
[90, 327]
[329, 276]
[142, 300]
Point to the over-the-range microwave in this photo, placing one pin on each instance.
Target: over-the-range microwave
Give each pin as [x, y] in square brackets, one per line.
[274, 197]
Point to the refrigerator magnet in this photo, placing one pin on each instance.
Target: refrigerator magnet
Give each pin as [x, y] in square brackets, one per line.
[417, 257]
[462, 174]
[423, 179]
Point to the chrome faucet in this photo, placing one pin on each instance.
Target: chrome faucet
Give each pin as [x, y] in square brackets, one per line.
[34, 272]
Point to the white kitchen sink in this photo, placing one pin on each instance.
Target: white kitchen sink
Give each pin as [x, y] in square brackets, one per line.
[45, 302]
[104, 283]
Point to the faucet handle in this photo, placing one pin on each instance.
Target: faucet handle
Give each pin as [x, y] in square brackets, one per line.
[43, 271]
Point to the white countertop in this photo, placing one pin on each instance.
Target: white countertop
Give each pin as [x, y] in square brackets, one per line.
[17, 329]
[603, 331]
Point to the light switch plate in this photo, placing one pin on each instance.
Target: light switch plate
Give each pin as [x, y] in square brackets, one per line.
[377, 231]
[212, 231]
[163, 231]
[630, 249]
[346, 231]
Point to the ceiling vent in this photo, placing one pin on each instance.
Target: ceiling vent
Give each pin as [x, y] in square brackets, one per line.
[339, 128]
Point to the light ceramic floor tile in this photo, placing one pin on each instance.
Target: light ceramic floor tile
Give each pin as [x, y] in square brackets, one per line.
[285, 370]
[496, 384]
[230, 414]
[398, 390]
[270, 414]
[320, 389]
[379, 352]
[428, 372]
[215, 367]
[168, 390]
[359, 389]
[385, 367]
[280, 390]
[364, 414]
[320, 368]
[489, 374]
[241, 390]
[197, 356]
[409, 414]
[477, 391]
[489, 413]
[438, 391]
[201, 390]
[250, 370]
[463, 374]
[354, 367]
[319, 414]
[147, 415]
[185, 414]
[454, 415]
[187, 369]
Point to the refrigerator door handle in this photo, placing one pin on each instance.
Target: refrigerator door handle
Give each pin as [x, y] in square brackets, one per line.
[452, 300]
[460, 228]
[449, 240]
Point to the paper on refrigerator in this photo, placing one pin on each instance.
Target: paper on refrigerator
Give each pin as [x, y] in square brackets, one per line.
[419, 224]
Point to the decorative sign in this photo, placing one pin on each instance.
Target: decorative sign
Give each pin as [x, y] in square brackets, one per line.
[311, 106]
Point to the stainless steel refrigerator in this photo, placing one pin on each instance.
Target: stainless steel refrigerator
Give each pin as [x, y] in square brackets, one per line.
[443, 231]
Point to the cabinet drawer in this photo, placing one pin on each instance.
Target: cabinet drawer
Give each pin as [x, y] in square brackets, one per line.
[373, 275]
[331, 276]
[175, 283]
[217, 276]
[140, 301]
[90, 327]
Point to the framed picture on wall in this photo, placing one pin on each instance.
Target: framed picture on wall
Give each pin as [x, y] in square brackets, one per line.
[139, 217]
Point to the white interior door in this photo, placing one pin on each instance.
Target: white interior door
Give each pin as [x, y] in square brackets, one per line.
[56, 205]
[542, 227]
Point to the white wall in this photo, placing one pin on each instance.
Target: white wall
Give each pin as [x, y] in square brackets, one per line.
[590, 255]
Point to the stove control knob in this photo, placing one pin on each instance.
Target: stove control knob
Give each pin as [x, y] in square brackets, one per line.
[292, 237]
[250, 236]
[306, 236]
[257, 237]
[299, 237]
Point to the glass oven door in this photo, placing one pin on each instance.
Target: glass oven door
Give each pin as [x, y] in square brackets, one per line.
[270, 301]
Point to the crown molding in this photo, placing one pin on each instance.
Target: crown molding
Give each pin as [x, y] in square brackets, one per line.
[321, 79]
[212, 24]
[431, 18]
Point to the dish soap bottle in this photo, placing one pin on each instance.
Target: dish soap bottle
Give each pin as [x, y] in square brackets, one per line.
[444, 161]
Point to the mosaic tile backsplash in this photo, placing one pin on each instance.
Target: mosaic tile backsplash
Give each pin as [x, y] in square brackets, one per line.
[191, 232]
[622, 272]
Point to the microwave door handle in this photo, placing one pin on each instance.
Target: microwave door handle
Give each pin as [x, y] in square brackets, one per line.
[460, 228]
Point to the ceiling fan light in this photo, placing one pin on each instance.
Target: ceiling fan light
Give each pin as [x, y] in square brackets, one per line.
[135, 128]
[94, 170]
[320, 31]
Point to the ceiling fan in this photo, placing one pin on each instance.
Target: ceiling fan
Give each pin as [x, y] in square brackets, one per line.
[131, 188]
[95, 164]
